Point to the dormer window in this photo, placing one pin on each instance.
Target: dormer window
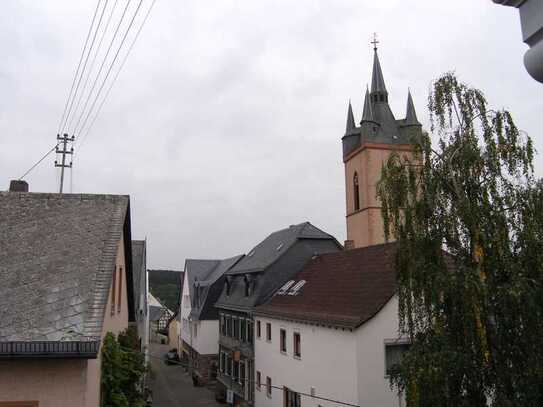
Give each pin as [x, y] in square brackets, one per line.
[228, 284]
[356, 192]
[247, 282]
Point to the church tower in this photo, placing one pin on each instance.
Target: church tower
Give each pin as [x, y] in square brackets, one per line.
[365, 149]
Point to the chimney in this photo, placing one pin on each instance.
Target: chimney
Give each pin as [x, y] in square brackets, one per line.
[18, 185]
[349, 244]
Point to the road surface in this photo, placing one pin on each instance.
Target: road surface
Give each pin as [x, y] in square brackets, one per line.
[172, 386]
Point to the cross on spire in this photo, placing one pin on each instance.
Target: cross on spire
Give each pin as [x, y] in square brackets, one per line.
[375, 42]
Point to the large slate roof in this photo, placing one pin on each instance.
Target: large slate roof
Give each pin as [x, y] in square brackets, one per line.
[272, 262]
[57, 259]
[207, 276]
[343, 289]
[273, 247]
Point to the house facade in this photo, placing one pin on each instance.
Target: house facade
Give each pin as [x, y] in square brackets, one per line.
[250, 283]
[199, 319]
[341, 347]
[141, 289]
[66, 268]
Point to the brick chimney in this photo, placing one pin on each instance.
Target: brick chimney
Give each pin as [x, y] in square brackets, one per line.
[18, 185]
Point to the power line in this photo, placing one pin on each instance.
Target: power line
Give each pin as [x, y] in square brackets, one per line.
[84, 66]
[116, 76]
[78, 66]
[92, 64]
[39, 161]
[251, 382]
[102, 66]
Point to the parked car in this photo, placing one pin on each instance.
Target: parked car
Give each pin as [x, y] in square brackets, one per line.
[172, 357]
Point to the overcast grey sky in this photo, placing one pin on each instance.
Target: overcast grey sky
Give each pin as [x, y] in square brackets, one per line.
[226, 121]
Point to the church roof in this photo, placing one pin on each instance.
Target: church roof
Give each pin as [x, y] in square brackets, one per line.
[378, 124]
[377, 80]
[350, 119]
[343, 289]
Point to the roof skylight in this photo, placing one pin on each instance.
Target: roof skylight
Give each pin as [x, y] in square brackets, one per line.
[294, 290]
[283, 290]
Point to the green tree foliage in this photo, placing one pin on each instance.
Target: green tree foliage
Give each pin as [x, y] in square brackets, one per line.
[468, 218]
[123, 367]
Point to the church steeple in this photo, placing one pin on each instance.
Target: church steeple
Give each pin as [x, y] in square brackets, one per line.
[378, 89]
[350, 119]
[367, 113]
[411, 115]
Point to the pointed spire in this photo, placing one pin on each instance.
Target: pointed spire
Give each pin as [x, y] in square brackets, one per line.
[367, 113]
[411, 115]
[377, 80]
[350, 119]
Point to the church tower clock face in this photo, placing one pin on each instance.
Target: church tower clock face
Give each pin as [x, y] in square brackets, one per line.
[365, 148]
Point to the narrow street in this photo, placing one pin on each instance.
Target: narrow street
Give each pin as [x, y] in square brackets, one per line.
[172, 386]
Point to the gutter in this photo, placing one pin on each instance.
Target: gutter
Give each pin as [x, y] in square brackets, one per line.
[50, 349]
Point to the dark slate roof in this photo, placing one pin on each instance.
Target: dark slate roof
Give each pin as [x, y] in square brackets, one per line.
[343, 289]
[272, 262]
[377, 80]
[378, 124]
[57, 262]
[273, 247]
[207, 276]
[139, 268]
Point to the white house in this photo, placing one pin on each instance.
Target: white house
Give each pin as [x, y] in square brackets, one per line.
[199, 319]
[331, 334]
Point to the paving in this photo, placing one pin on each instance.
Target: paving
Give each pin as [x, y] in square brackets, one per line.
[172, 385]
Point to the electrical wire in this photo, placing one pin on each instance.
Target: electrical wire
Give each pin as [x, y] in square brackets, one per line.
[251, 382]
[78, 66]
[89, 96]
[108, 72]
[92, 64]
[39, 161]
[83, 138]
[84, 66]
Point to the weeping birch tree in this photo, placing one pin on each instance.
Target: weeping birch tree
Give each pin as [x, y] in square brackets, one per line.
[468, 217]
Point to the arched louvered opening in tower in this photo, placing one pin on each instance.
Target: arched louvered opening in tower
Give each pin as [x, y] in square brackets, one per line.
[356, 192]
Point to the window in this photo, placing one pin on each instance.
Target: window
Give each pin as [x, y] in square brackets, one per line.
[356, 192]
[235, 375]
[120, 289]
[292, 399]
[268, 386]
[258, 329]
[236, 328]
[250, 331]
[258, 380]
[223, 325]
[283, 290]
[228, 365]
[283, 341]
[228, 325]
[247, 282]
[393, 356]
[297, 287]
[297, 345]
[243, 329]
[268, 332]
[113, 290]
[228, 286]
[195, 329]
[242, 373]
[222, 362]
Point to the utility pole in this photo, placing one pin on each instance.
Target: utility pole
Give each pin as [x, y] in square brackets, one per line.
[64, 140]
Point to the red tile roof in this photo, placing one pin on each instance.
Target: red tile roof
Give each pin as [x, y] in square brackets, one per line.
[343, 289]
